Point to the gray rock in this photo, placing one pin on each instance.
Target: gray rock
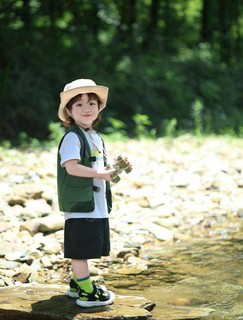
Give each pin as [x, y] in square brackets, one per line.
[42, 301]
[52, 223]
[161, 233]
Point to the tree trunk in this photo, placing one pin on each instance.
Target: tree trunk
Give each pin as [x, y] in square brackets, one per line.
[205, 22]
[25, 13]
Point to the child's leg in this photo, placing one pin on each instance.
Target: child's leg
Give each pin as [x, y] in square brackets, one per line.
[81, 274]
[80, 268]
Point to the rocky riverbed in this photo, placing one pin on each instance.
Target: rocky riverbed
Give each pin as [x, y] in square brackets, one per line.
[179, 190]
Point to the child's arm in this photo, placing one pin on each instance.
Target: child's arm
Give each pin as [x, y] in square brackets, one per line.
[75, 169]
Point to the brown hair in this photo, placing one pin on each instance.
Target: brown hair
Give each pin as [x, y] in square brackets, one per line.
[69, 121]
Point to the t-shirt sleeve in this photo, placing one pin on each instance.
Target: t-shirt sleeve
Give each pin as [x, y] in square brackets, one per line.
[70, 148]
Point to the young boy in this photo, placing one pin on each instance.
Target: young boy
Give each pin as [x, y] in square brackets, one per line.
[84, 188]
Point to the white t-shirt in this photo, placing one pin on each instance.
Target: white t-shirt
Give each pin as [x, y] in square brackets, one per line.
[69, 150]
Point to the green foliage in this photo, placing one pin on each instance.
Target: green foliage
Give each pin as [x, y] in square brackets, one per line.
[56, 133]
[170, 127]
[26, 142]
[142, 123]
[115, 130]
[176, 60]
[197, 109]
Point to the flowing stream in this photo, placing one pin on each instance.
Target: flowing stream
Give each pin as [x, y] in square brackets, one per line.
[201, 279]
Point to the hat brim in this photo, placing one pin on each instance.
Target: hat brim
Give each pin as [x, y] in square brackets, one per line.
[65, 96]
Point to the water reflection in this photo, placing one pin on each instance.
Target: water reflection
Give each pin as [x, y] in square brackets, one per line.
[194, 280]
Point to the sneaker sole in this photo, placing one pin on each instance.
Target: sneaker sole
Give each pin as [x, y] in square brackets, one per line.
[72, 294]
[88, 304]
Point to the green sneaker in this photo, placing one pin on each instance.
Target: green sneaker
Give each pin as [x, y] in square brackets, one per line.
[74, 287]
[99, 297]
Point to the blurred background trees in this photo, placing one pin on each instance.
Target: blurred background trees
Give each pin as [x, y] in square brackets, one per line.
[170, 65]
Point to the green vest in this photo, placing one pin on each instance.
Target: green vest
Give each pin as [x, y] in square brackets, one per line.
[76, 194]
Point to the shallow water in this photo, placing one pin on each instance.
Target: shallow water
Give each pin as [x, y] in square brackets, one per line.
[203, 279]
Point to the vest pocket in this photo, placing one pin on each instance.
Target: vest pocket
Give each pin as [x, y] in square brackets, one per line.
[75, 193]
[80, 194]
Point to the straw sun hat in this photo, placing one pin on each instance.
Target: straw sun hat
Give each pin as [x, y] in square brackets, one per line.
[81, 86]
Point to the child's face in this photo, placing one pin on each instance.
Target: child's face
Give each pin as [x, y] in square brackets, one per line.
[85, 111]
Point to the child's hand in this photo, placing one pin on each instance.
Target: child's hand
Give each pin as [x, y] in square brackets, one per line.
[105, 174]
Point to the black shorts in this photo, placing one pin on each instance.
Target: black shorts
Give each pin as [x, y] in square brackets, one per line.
[86, 238]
